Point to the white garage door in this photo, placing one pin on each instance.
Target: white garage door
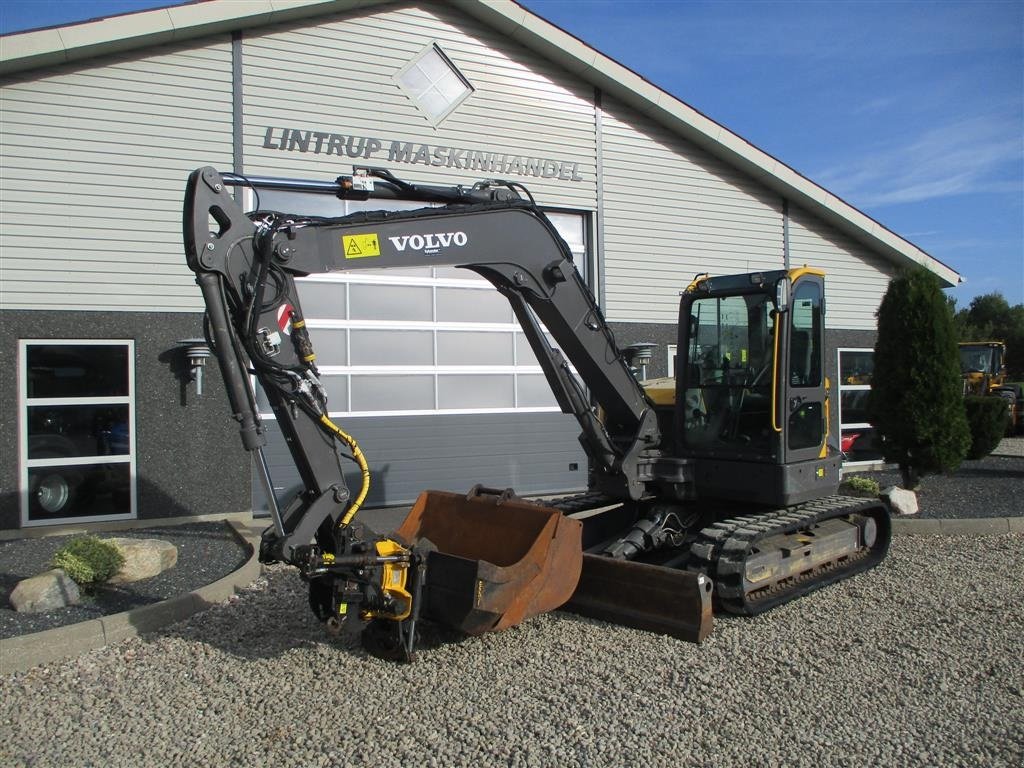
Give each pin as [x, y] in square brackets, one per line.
[433, 354]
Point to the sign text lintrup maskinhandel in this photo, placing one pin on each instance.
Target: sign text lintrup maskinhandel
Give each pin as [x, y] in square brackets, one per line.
[413, 153]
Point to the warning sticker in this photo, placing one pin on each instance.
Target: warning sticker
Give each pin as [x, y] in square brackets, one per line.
[360, 246]
[284, 318]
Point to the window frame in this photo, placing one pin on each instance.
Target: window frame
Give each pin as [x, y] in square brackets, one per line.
[25, 464]
[434, 120]
[840, 389]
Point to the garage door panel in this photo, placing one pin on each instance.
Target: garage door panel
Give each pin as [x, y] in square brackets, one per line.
[533, 453]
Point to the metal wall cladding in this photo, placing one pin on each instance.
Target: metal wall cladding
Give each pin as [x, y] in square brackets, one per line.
[671, 211]
[336, 77]
[855, 278]
[96, 155]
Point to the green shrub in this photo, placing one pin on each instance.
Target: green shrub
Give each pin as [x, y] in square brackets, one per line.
[987, 417]
[860, 486]
[88, 560]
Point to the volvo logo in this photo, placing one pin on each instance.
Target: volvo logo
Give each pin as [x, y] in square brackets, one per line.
[431, 242]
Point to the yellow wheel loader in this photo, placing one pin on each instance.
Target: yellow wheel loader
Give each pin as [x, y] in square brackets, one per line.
[983, 369]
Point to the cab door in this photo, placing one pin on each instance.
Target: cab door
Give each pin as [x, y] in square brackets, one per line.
[803, 384]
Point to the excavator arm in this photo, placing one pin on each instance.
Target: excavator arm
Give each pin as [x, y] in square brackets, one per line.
[246, 266]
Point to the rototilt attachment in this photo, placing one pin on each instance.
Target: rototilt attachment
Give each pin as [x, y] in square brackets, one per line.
[489, 560]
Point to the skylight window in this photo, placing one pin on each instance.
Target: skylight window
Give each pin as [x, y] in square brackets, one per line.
[434, 84]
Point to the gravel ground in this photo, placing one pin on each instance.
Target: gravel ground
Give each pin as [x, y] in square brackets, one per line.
[989, 487]
[916, 663]
[206, 552]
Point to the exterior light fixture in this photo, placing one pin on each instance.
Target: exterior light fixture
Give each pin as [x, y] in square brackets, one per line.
[640, 355]
[195, 351]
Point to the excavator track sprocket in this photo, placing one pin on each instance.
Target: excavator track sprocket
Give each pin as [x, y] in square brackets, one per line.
[762, 560]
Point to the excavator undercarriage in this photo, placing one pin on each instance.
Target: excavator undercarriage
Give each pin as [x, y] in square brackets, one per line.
[716, 491]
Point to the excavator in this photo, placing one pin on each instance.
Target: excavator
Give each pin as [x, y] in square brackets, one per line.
[712, 491]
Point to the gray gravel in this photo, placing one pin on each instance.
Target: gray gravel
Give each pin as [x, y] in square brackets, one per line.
[989, 487]
[206, 552]
[916, 663]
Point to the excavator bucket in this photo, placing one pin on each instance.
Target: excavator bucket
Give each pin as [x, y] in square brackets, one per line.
[649, 597]
[498, 560]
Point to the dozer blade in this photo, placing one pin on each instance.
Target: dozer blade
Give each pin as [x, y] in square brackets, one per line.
[498, 560]
[648, 597]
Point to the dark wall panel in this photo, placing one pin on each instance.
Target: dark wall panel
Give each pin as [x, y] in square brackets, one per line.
[189, 458]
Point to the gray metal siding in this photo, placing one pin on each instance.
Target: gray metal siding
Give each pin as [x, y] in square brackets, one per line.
[671, 211]
[337, 75]
[530, 452]
[95, 159]
[856, 279]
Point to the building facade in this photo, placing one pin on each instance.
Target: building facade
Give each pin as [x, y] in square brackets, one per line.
[103, 121]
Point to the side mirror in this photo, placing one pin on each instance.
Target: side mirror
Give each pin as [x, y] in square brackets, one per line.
[782, 294]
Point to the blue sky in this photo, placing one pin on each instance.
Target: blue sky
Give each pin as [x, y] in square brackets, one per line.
[911, 111]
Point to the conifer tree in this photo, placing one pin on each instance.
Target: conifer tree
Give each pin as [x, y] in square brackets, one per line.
[916, 400]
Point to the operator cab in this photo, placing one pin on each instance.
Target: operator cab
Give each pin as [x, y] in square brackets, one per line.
[751, 400]
[984, 357]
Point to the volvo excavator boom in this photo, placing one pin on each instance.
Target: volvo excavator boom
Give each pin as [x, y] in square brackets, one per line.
[488, 229]
[489, 560]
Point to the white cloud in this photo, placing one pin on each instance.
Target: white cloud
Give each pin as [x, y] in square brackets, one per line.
[978, 154]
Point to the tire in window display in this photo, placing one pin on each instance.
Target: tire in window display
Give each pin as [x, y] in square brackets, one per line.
[53, 491]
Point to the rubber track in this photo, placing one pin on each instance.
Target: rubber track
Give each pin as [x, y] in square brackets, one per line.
[721, 551]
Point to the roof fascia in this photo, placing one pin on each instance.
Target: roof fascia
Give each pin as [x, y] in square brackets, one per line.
[74, 42]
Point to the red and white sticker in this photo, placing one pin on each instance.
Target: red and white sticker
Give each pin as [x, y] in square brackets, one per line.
[284, 319]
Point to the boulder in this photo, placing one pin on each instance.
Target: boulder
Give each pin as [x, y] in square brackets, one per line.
[143, 558]
[900, 500]
[45, 592]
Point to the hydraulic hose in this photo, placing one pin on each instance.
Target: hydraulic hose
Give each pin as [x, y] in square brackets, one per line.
[357, 454]
[776, 426]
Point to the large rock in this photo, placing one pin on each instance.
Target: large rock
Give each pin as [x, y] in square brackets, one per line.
[45, 592]
[143, 558]
[901, 501]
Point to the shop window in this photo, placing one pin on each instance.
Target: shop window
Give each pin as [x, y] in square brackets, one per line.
[77, 436]
[434, 83]
[858, 439]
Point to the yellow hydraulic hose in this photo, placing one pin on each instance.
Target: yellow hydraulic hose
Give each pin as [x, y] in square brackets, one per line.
[357, 454]
[775, 377]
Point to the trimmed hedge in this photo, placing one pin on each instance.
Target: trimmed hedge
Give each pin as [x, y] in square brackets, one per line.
[987, 418]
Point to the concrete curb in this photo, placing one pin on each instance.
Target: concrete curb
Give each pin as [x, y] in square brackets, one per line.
[20, 653]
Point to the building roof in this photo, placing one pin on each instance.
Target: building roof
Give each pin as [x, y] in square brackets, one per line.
[59, 45]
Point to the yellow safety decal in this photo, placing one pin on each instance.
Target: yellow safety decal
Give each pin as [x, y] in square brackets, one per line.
[820, 472]
[342, 609]
[360, 246]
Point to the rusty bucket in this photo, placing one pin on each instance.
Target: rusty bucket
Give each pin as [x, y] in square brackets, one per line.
[498, 561]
